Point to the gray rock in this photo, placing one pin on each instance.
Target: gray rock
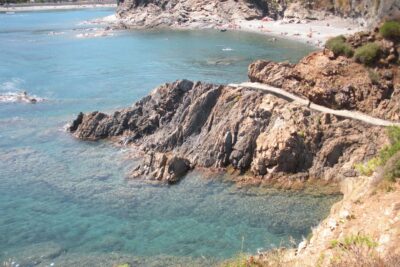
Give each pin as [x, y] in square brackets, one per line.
[184, 124]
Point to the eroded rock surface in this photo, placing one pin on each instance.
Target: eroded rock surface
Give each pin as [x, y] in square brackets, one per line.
[156, 13]
[183, 125]
[211, 13]
[336, 82]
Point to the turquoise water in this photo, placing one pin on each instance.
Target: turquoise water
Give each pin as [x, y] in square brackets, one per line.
[67, 202]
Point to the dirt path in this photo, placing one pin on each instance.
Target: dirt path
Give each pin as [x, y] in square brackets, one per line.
[305, 102]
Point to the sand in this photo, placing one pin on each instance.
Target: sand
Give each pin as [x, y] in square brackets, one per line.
[47, 7]
[312, 32]
[315, 32]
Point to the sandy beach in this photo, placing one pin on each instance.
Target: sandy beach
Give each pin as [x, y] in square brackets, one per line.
[48, 7]
[312, 32]
[315, 32]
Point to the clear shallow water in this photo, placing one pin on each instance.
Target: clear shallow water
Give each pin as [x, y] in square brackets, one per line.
[69, 199]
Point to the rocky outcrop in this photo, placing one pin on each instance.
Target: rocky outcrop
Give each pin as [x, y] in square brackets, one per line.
[368, 12]
[340, 82]
[180, 13]
[211, 13]
[183, 125]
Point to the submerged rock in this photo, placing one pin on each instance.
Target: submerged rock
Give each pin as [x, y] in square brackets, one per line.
[187, 124]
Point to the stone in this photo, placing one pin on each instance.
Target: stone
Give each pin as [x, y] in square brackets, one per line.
[185, 124]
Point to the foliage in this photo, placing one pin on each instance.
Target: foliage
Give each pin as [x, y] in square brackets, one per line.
[373, 76]
[367, 54]
[369, 167]
[390, 30]
[241, 260]
[388, 159]
[354, 240]
[359, 250]
[339, 46]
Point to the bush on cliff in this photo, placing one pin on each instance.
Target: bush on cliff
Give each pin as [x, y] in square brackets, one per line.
[390, 30]
[339, 47]
[388, 160]
[367, 54]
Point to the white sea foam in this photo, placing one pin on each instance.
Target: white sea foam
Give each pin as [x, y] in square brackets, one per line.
[94, 32]
[15, 97]
[227, 49]
[13, 85]
[55, 33]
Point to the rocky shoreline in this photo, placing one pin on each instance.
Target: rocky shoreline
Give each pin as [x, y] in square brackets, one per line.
[312, 23]
[183, 125]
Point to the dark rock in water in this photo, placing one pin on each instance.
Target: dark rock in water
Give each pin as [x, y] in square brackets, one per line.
[76, 122]
[177, 168]
[185, 124]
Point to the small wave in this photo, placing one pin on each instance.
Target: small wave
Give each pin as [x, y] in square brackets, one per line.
[13, 97]
[13, 85]
[55, 33]
[227, 49]
[94, 34]
[65, 127]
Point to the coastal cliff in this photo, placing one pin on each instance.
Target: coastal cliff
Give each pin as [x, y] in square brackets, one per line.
[271, 137]
[184, 124]
[200, 13]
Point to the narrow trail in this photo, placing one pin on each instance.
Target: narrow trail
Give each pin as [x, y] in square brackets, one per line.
[305, 102]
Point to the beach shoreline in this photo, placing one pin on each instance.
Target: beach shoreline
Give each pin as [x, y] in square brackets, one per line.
[55, 6]
[311, 32]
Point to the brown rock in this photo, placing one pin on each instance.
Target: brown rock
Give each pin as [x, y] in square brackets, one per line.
[186, 124]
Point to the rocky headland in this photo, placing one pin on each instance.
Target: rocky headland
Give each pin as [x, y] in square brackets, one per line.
[156, 13]
[269, 137]
[187, 124]
[184, 124]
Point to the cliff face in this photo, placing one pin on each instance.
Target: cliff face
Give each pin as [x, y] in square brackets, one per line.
[185, 124]
[157, 13]
[341, 82]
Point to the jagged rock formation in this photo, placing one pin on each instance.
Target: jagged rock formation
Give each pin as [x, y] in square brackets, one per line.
[208, 13]
[184, 125]
[340, 82]
[370, 12]
[156, 13]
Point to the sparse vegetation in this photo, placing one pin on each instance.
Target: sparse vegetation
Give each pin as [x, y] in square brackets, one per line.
[354, 240]
[339, 46]
[367, 54]
[388, 159]
[369, 167]
[241, 260]
[373, 76]
[390, 30]
[359, 250]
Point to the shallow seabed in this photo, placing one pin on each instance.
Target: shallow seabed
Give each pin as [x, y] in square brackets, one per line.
[67, 202]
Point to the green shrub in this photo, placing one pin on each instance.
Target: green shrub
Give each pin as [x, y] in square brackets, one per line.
[339, 47]
[394, 147]
[389, 158]
[369, 167]
[374, 76]
[367, 54]
[390, 30]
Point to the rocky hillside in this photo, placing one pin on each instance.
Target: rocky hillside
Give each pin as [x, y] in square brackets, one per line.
[183, 125]
[340, 81]
[201, 13]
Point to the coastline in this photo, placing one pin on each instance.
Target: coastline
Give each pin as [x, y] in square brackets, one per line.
[50, 7]
[312, 32]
